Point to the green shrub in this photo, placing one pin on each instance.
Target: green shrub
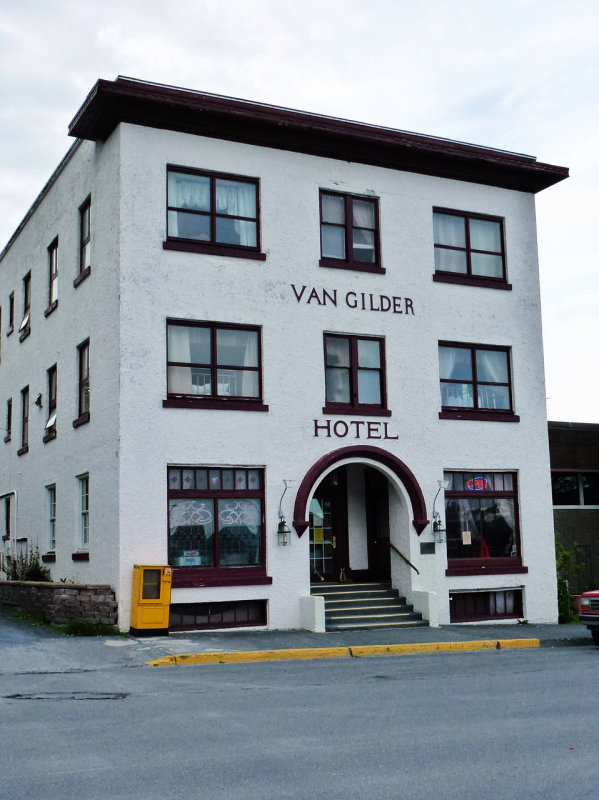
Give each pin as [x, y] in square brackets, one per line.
[25, 566]
[85, 628]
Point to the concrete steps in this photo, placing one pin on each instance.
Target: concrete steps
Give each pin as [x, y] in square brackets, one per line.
[360, 606]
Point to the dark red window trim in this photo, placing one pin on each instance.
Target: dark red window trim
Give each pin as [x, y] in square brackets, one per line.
[212, 246]
[82, 276]
[215, 401]
[354, 406]
[349, 262]
[83, 398]
[197, 576]
[475, 412]
[464, 280]
[80, 556]
[24, 420]
[49, 558]
[468, 277]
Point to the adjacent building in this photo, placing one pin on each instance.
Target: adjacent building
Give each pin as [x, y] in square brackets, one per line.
[268, 348]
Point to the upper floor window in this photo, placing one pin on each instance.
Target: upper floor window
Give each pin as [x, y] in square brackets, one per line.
[354, 375]
[475, 382]
[24, 421]
[8, 435]
[83, 396]
[349, 232]
[85, 236]
[214, 365]
[52, 277]
[50, 428]
[25, 326]
[11, 313]
[469, 248]
[213, 213]
[481, 518]
[575, 488]
[7, 518]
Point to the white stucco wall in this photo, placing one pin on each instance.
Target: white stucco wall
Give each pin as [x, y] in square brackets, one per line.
[88, 311]
[136, 285]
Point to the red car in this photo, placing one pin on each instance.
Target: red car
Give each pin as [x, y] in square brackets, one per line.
[589, 613]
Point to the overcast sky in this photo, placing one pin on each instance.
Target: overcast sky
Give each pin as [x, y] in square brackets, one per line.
[521, 75]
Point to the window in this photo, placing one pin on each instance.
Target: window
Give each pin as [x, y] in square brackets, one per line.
[85, 235]
[51, 517]
[475, 382]
[6, 534]
[349, 232]
[212, 213]
[481, 604]
[50, 427]
[469, 248]
[11, 313]
[481, 517]
[25, 326]
[52, 277]
[216, 524]
[83, 482]
[24, 421]
[8, 436]
[83, 393]
[214, 365]
[228, 614]
[354, 375]
[575, 488]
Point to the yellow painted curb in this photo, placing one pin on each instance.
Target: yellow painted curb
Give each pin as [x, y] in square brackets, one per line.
[362, 651]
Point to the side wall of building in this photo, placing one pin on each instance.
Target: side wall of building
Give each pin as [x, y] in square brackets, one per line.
[88, 311]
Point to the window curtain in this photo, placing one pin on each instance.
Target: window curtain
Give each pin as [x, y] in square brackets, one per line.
[451, 368]
[186, 192]
[237, 348]
[449, 230]
[179, 378]
[238, 200]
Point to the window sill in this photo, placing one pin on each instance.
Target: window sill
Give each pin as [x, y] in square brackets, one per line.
[80, 555]
[466, 280]
[49, 558]
[487, 569]
[81, 277]
[51, 308]
[480, 416]
[25, 334]
[355, 266]
[193, 246]
[49, 436]
[23, 450]
[81, 420]
[198, 577]
[355, 411]
[7, 438]
[10, 330]
[228, 405]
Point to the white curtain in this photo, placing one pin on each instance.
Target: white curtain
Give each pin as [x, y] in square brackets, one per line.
[449, 230]
[238, 200]
[186, 192]
[179, 378]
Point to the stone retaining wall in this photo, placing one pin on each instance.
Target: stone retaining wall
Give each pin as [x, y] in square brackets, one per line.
[61, 602]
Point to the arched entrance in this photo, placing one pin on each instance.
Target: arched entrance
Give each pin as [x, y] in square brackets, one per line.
[344, 502]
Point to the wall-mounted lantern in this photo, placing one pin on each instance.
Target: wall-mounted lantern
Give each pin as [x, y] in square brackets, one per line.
[283, 530]
[438, 527]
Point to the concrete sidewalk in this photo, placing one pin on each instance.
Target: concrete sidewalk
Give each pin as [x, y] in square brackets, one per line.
[26, 648]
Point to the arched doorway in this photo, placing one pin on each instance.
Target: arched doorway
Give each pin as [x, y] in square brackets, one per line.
[343, 501]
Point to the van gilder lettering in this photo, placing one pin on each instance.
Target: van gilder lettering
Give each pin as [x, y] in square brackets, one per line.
[363, 301]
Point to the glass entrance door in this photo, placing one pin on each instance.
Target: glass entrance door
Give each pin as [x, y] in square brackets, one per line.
[322, 538]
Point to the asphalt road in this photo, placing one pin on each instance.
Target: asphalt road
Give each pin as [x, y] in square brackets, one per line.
[486, 725]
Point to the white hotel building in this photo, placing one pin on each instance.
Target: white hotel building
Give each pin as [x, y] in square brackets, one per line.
[221, 320]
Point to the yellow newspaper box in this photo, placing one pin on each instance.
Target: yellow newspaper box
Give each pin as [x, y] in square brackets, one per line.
[151, 600]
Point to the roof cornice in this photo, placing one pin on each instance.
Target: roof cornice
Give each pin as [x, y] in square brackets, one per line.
[170, 108]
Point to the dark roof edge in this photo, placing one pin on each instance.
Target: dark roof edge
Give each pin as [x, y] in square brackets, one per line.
[582, 426]
[48, 185]
[156, 105]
